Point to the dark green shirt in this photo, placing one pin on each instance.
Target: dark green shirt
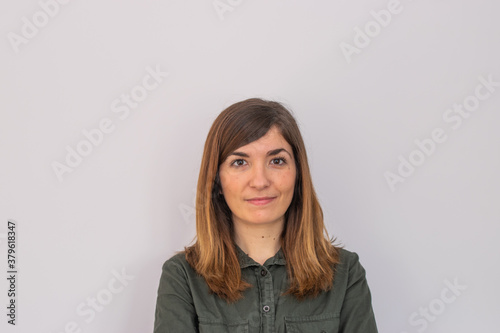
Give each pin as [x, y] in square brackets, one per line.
[185, 305]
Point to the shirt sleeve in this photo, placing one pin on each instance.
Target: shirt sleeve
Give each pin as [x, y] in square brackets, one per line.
[356, 315]
[175, 310]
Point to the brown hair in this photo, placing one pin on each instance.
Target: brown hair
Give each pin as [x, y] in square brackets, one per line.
[309, 253]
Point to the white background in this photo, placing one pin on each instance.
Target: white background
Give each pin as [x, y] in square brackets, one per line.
[128, 205]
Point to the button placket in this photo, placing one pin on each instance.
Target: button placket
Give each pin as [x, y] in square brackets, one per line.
[267, 298]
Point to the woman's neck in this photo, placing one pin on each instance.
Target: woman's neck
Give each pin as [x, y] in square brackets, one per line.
[259, 241]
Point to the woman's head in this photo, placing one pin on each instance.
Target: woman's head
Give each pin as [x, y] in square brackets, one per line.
[257, 182]
[239, 125]
[246, 128]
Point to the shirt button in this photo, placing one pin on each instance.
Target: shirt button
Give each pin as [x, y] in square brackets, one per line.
[263, 272]
[266, 308]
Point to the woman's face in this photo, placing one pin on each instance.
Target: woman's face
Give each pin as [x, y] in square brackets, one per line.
[258, 180]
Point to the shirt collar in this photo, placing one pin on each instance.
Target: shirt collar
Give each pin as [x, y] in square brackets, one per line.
[246, 261]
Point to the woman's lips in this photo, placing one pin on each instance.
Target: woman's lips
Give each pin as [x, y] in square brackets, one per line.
[261, 201]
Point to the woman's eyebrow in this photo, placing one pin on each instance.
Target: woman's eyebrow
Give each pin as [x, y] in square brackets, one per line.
[269, 153]
[277, 151]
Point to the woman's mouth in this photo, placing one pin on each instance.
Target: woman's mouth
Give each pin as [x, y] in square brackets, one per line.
[261, 201]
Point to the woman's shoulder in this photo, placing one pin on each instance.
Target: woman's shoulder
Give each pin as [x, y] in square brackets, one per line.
[347, 256]
[178, 258]
[349, 264]
[177, 262]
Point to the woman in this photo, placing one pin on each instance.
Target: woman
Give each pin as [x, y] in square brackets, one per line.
[262, 260]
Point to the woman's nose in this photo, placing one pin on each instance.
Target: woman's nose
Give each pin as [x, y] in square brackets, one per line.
[259, 177]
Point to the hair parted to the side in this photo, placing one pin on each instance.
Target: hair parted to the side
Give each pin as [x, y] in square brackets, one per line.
[309, 253]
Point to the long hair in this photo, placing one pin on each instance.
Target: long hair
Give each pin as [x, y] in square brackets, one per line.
[309, 253]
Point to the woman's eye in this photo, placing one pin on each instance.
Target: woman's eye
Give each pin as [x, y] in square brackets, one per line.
[278, 161]
[238, 162]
